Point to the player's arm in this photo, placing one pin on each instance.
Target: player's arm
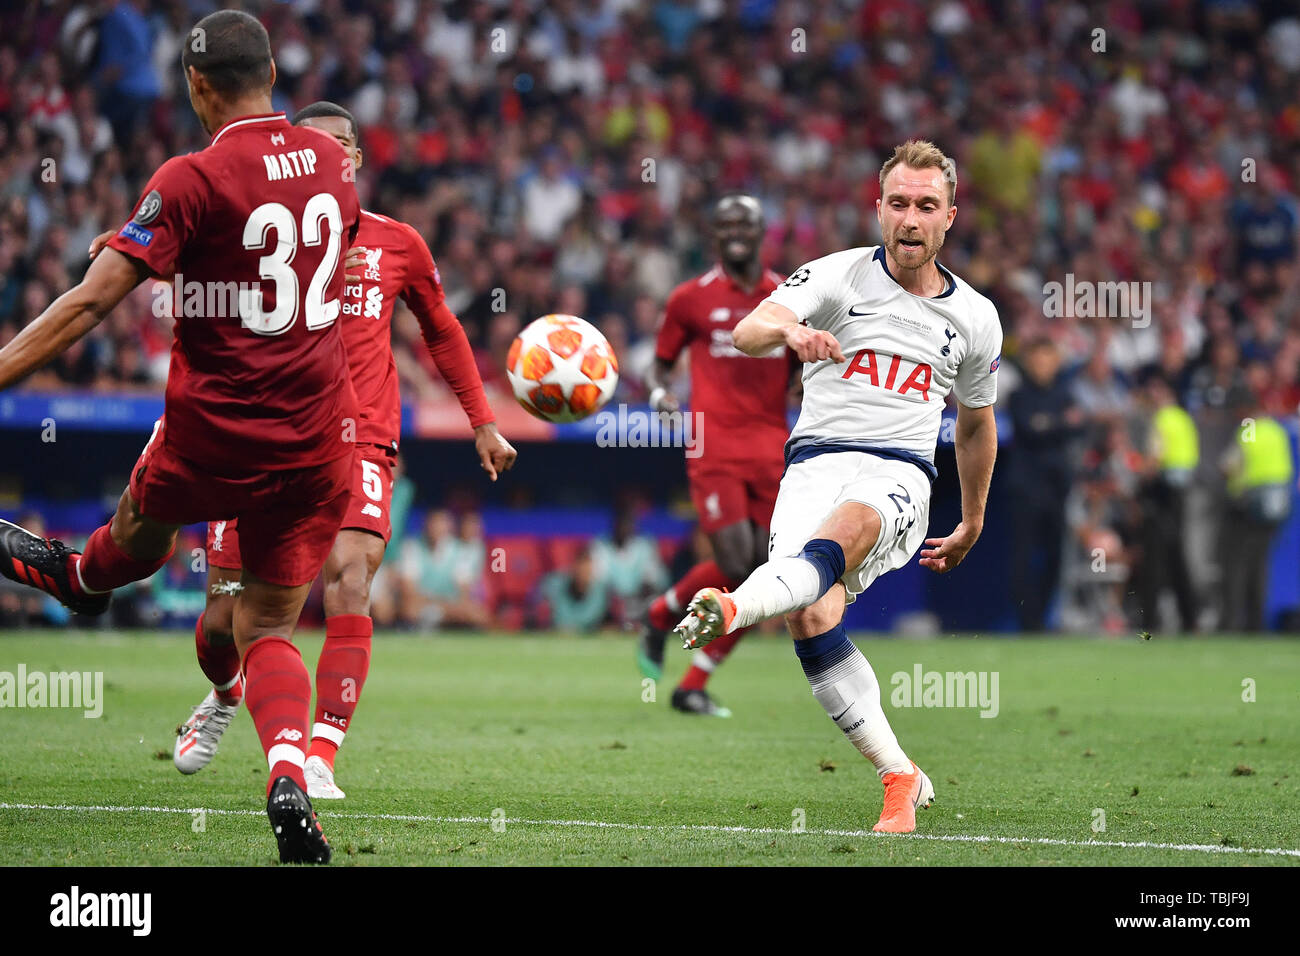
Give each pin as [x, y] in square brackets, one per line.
[450, 349]
[793, 315]
[976, 443]
[100, 241]
[69, 317]
[657, 382]
[673, 336]
[449, 346]
[771, 325]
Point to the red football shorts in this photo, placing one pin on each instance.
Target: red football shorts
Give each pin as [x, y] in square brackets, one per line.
[223, 545]
[726, 493]
[372, 491]
[290, 516]
[369, 499]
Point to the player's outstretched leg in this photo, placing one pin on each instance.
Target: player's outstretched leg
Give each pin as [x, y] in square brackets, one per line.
[214, 644]
[845, 685]
[83, 582]
[46, 564]
[345, 659]
[785, 584]
[780, 586]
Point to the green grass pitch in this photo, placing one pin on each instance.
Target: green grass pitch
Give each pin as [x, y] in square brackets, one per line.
[541, 750]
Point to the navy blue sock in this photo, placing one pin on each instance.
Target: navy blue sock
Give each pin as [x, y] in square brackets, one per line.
[828, 557]
[819, 654]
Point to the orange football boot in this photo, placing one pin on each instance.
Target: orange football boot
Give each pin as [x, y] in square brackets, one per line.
[905, 793]
[709, 615]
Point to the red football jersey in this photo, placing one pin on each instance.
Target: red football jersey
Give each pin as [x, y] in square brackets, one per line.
[252, 233]
[398, 265]
[743, 399]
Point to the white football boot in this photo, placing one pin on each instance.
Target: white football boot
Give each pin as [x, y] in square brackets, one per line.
[197, 739]
[320, 780]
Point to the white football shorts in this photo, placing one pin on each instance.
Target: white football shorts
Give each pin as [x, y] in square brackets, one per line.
[811, 489]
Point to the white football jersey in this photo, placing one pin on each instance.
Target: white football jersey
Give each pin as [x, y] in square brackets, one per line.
[905, 354]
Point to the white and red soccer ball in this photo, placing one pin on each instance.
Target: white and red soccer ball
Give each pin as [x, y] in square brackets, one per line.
[562, 369]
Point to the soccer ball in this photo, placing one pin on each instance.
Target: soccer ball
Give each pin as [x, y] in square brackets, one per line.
[561, 368]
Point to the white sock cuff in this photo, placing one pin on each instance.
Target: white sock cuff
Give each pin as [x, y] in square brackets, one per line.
[328, 732]
[285, 753]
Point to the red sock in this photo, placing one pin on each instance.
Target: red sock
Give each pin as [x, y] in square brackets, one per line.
[104, 566]
[220, 664]
[715, 652]
[669, 607]
[277, 691]
[340, 675]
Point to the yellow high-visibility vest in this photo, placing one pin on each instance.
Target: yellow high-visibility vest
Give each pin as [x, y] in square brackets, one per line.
[1180, 447]
[1265, 456]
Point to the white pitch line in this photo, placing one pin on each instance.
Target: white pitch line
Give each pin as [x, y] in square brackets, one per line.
[692, 828]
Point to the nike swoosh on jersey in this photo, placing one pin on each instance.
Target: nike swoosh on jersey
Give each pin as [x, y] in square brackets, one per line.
[853, 310]
[843, 712]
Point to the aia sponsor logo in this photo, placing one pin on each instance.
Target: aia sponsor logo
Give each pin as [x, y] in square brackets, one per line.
[868, 364]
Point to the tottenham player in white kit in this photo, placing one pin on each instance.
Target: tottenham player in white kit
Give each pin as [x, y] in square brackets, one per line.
[885, 333]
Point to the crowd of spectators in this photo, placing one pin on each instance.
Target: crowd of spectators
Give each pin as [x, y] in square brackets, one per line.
[445, 578]
[561, 156]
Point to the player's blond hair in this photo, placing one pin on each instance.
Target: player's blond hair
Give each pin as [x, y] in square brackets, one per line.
[922, 154]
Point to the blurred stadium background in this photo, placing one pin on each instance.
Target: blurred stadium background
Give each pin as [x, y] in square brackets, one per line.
[515, 135]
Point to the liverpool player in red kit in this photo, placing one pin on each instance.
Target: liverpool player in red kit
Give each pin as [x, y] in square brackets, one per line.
[389, 261]
[258, 400]
[737, 470]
